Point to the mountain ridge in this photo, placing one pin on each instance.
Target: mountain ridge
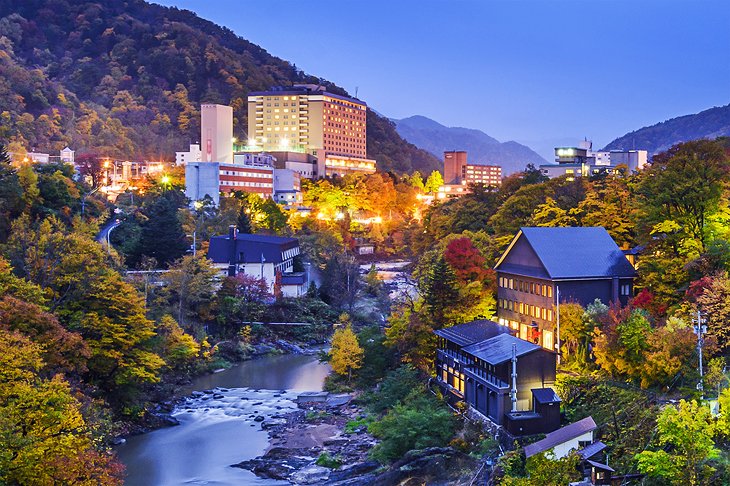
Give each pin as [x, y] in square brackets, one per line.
[126, 78]
[482, 149]
[710, 123]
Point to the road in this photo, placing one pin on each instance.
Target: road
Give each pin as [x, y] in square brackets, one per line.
[106, 229]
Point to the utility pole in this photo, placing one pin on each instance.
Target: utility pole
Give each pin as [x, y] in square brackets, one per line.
[557, 317]
[700, 328]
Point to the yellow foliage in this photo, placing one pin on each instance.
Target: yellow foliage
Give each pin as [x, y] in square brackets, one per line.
[346, 354]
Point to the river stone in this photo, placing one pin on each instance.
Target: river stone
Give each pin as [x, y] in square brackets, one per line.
[259, 418]
[310, 475]
[218, 396]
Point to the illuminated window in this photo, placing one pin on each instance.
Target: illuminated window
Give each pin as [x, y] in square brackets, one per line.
[548, 340]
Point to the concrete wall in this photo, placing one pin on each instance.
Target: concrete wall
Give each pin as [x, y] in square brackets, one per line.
[201, 179]
[216, 133]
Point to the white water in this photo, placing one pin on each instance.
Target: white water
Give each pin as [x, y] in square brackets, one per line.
[217, 432]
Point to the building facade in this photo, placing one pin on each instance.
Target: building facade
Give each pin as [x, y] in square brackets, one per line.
[306, 118]
[287, 187]
[582, 161]
[194, 154]
[216, 133]
[270, 258]
[475, 362]
[212, 178]
[544, 266]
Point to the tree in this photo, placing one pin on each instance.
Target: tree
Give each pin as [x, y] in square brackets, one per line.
[178, 348]
[418, 422]
[575, 332]
[111, 317]
[440, 292]
[715, 303]
[44, 439]
[542, 471]
[162, 237]
[91, 167]
[191, 284]
[346, 354]
[684, 185]
[685, 435]
[11, 194]
[466, 260]
[434, 181]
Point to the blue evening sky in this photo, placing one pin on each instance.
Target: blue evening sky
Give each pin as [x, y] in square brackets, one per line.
[541, 72]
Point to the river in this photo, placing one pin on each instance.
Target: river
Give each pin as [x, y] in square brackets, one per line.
[217, 429]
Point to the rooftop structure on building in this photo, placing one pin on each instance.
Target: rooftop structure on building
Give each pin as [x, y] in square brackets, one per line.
[309, 119]
[544, 266]
[504, 378]
[583, 161]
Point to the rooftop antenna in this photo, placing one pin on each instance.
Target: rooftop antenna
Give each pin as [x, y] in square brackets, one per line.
[357, 88]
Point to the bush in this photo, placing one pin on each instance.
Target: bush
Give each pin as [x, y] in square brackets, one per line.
[325, 460]
[396, 386]
[418, 422]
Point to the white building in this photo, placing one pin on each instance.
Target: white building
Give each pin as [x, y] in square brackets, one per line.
[270, 258]
[68, 156]
[216, 133]
[559, 443]
[287, 187]
[192, 155]
[582, 161]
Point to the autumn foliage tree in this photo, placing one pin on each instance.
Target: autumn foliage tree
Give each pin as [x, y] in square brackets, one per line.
[44, 439]
[346, 354]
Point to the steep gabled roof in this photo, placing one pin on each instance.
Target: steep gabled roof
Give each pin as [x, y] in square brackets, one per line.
[573, 253]
[499, 348]
[471, 332]
[560, 436]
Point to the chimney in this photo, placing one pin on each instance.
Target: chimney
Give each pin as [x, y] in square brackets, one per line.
[513, 392]
[232, 236]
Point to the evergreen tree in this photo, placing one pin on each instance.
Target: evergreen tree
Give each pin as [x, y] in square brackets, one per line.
[440, 291]
[162, 236]
[11, 194]
[243, 223]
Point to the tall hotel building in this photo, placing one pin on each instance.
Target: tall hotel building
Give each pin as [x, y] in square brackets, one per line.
[306, 118]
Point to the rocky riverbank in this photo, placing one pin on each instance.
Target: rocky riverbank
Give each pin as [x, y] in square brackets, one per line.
[325, 442]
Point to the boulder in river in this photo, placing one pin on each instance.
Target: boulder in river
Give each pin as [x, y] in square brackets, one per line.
[310, 475]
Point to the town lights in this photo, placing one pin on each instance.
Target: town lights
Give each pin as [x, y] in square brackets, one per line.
[165, 179]
[251, 142]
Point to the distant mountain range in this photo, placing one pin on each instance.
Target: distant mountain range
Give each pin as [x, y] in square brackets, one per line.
[711, 124]
[436, 138]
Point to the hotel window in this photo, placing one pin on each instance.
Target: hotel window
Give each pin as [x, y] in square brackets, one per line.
[549, 291]
[522, 307]
[550, 315]
[510, 305]
[511, 284]
[625, 289]
[548, 340]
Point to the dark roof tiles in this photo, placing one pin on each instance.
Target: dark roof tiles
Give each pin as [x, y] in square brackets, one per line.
[471, 332]
[499, 348]
[545, 395]
[251, 248]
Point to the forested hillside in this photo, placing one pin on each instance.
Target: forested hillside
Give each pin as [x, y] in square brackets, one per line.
[125, 79]
[709, 124]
